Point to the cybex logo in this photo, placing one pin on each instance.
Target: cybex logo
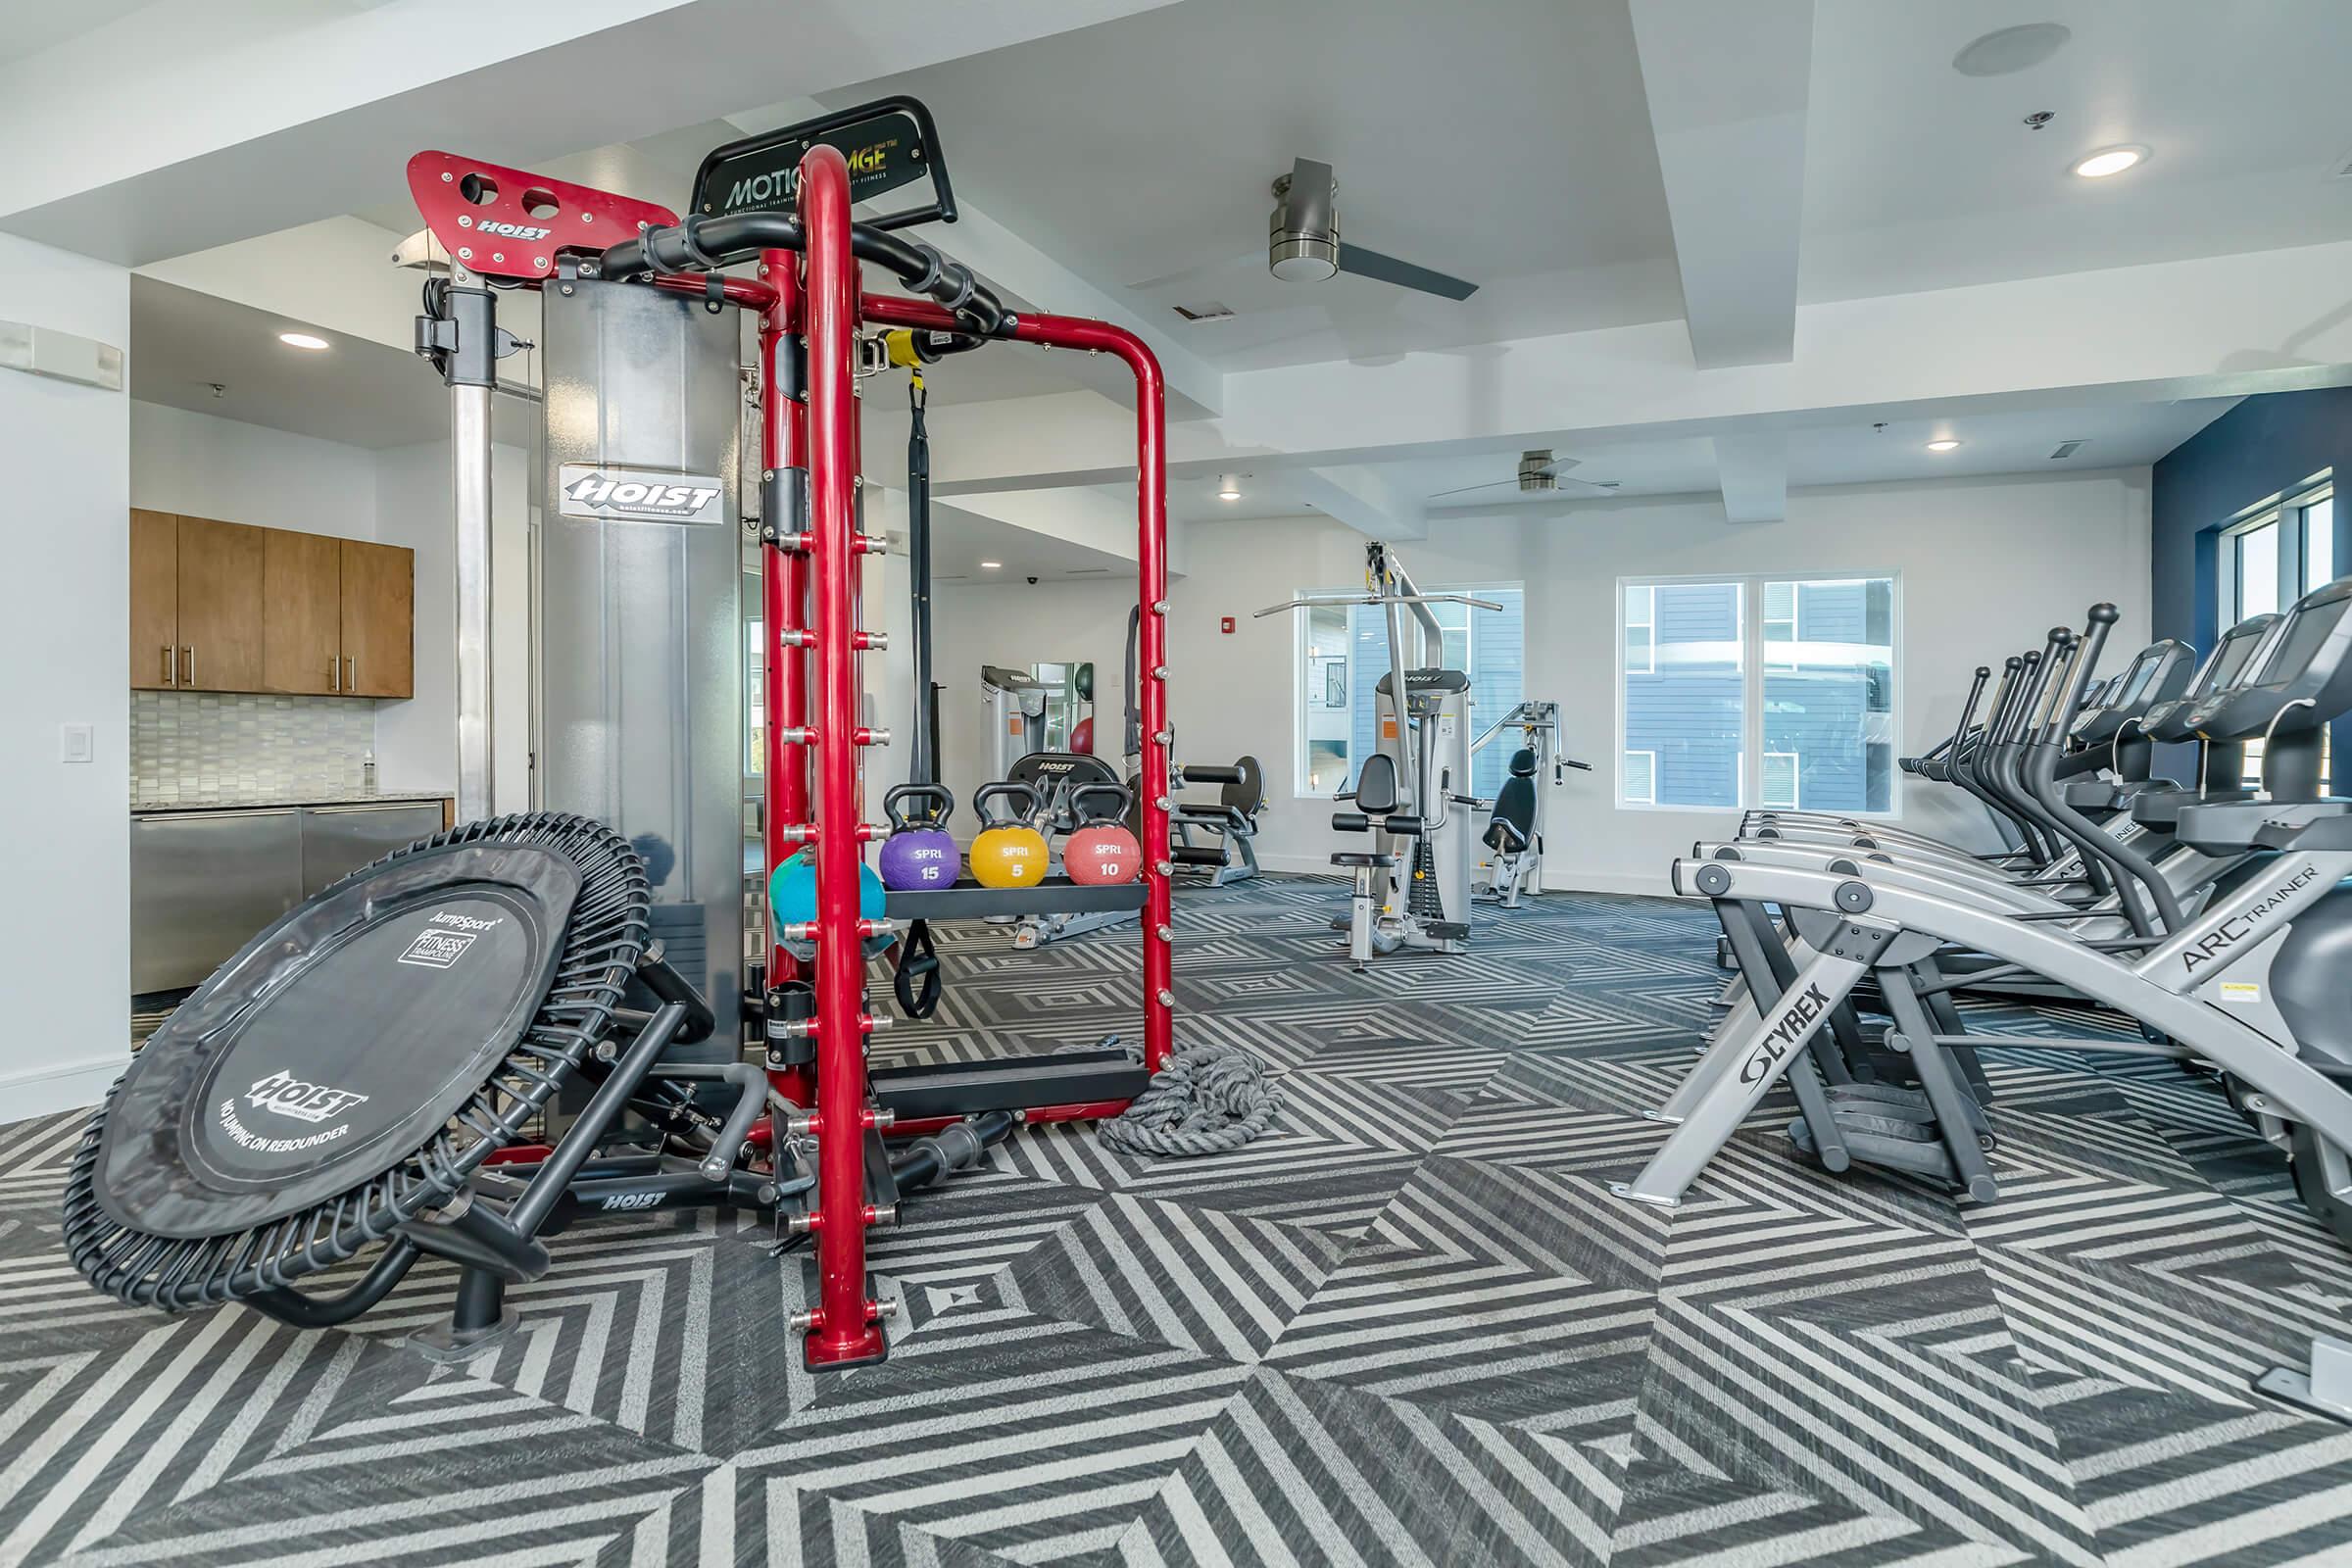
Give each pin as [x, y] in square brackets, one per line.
[1794, 1026]
[288, 1095]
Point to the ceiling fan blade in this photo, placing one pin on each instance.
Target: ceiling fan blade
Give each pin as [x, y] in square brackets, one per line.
[1353, 258]
[1559, 465]
[1594, 486]
[1466, 489]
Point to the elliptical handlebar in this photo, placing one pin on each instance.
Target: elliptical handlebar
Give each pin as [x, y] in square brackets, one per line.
[2089, 646]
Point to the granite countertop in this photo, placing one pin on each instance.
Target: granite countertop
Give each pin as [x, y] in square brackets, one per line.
[253, 802]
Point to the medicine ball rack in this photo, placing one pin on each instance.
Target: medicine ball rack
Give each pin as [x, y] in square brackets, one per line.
[443, 1170]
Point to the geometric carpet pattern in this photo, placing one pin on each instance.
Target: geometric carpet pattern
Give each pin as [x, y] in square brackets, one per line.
[1411, 1325]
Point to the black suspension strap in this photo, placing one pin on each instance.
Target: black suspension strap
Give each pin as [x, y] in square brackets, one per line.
[918, 979]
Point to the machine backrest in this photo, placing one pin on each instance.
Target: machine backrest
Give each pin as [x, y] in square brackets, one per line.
[1515, 801]
[1376, 785]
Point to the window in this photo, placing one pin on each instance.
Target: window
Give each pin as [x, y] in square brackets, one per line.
[1641, 629]
[1641, 778]
[2272, 558]
[1766, 691]
[1344, 653]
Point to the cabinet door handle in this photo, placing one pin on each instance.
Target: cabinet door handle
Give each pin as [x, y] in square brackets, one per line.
[334, 675]
[170, 667]
[351, 677]
[188, 650]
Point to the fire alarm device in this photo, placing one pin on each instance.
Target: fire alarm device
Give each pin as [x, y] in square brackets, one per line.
[1225, 624]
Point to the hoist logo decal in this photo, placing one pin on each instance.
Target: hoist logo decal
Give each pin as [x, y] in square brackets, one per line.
[640, 495]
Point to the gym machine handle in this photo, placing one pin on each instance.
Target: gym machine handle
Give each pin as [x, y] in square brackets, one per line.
[2086, 656]
[707, 244]
[1203, 773]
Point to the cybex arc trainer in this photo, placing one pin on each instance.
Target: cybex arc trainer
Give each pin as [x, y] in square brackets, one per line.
[467, 1046]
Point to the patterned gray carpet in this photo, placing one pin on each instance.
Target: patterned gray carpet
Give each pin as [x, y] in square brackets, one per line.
[1413, 1326]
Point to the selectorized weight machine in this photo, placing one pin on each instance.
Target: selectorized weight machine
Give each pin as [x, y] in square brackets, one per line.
[459, 1050]
[1412, 888]
[1514, 835]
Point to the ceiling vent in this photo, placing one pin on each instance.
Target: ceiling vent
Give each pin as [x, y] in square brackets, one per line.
[1087, 571]
[2067, 449]
[1205, 310]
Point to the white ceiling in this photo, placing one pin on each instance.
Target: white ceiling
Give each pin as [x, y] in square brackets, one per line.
[1510, 142]
[32, 27]
[182, 343]
[962, 540]
[2008, 442]
[1506, 142]
[1916, 177]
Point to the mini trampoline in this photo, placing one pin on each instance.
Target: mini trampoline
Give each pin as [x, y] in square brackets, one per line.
[335, 1084]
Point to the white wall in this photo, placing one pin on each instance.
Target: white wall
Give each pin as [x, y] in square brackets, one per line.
[416, 741]
[1988, 566]
[67, 924]
[206, 467]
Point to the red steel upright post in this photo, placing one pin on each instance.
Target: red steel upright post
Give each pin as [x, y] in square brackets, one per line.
[784, 601]
[845, 1328]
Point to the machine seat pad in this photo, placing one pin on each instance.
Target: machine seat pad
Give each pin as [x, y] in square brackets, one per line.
[1353, 857]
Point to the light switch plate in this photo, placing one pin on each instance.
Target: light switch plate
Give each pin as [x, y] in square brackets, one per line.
[75, 743]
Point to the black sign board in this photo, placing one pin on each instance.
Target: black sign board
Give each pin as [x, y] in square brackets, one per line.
[889, 144]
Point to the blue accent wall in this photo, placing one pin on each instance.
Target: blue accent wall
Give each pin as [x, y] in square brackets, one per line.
[2265, 446]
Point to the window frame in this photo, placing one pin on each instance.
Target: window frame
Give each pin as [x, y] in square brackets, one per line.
[2289, 512]
[1623, 752]
[1626, 623]
[1753, 675]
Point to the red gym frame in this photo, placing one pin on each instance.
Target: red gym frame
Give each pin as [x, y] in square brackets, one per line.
[814, 294]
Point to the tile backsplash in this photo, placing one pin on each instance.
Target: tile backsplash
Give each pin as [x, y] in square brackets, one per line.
[205, 747]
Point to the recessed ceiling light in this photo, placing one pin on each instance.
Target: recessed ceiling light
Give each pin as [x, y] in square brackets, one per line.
[2109, 160]
[991, 566]
[1229, 487]
[301, 340]
[1943, 444]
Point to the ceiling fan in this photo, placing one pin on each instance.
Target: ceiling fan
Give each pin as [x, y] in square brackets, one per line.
[1539, 472]
[1303, 244]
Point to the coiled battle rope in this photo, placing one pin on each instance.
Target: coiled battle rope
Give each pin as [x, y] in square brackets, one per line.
[1208, 1099]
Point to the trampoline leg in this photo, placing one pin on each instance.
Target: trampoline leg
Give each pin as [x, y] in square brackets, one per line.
[479, 1317]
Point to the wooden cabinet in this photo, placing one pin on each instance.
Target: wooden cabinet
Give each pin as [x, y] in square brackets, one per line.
[302, 629]
[224, 607]
[379, 617]
[153, 601]
[219, 605]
